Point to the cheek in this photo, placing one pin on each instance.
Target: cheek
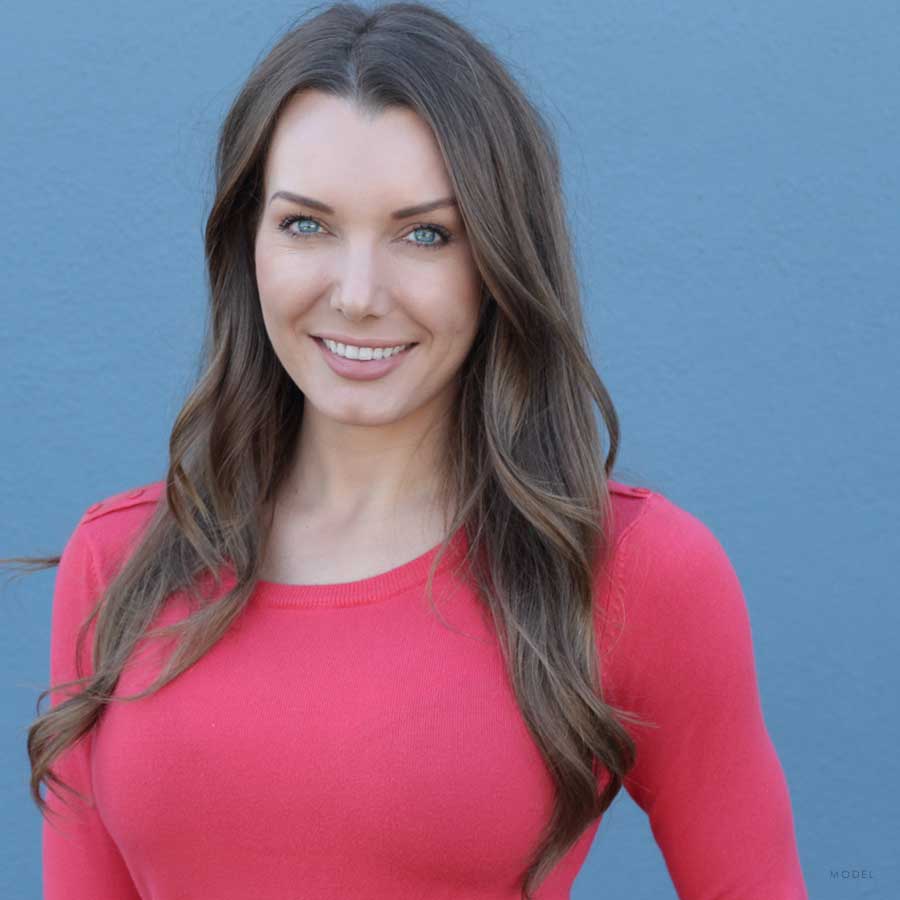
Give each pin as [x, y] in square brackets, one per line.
[266, 275]
[453, 305]
[461, 319]
[453, 332]
[284, 292]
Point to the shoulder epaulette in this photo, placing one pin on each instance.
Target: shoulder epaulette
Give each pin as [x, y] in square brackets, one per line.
[148, 493]
[627, 490]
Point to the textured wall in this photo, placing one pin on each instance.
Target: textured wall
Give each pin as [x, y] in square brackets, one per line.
[732, 175]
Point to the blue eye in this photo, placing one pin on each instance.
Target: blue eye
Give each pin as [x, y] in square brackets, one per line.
[286, 223]
[442, 233]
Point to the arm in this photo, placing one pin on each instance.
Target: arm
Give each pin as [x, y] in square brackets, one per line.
[80, 859]
[708, 776]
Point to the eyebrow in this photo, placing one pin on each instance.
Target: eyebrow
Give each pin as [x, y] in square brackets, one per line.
[403, 213]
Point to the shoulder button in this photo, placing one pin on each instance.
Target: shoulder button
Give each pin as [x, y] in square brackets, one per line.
[640, 491]
[94, 507]
[136, 492]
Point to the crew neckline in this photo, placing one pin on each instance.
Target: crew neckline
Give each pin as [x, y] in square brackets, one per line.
[372, 589]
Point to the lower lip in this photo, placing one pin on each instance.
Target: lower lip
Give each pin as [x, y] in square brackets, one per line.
[363, 369]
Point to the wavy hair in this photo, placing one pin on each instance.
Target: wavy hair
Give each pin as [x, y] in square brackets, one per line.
[525, 474]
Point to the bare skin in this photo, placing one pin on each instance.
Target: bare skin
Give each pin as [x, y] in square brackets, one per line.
[360, 496]
[307, 550]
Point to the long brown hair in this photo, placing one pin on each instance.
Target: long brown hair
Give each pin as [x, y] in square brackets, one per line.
[525, 472]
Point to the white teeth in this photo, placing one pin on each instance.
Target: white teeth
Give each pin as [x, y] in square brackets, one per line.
[348, 351]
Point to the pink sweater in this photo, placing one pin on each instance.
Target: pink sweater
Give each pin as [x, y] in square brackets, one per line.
[340, 742]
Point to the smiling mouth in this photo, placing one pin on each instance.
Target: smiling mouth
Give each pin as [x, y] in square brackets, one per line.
[406, 349]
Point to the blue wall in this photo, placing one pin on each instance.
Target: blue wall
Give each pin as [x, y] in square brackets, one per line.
[732, 172]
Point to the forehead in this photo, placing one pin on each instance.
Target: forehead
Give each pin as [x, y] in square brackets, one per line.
[327, 147]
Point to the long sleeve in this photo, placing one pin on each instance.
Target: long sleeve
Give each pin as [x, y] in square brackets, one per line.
[707, 775]
[80, 859]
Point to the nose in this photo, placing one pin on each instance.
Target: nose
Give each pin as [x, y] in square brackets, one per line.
[358, 289]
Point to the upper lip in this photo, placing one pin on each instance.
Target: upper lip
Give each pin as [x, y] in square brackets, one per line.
[361, 342]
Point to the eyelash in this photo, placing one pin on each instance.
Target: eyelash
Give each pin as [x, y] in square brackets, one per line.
[285, 226]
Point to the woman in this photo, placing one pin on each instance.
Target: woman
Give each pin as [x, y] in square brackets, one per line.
[312, 727]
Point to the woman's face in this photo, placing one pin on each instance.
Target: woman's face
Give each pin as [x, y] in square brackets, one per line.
[361, 270]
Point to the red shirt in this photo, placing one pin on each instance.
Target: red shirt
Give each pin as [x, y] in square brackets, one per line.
[342, 742]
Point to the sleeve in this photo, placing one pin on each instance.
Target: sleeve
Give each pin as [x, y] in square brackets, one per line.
[79, 858]
[707, 775]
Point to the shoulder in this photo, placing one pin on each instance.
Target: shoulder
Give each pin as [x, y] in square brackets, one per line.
[628, 503]
[681, 610]
[145, 495]
[680, 607]
[89, 560]
[649, 528]
[108, 527]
